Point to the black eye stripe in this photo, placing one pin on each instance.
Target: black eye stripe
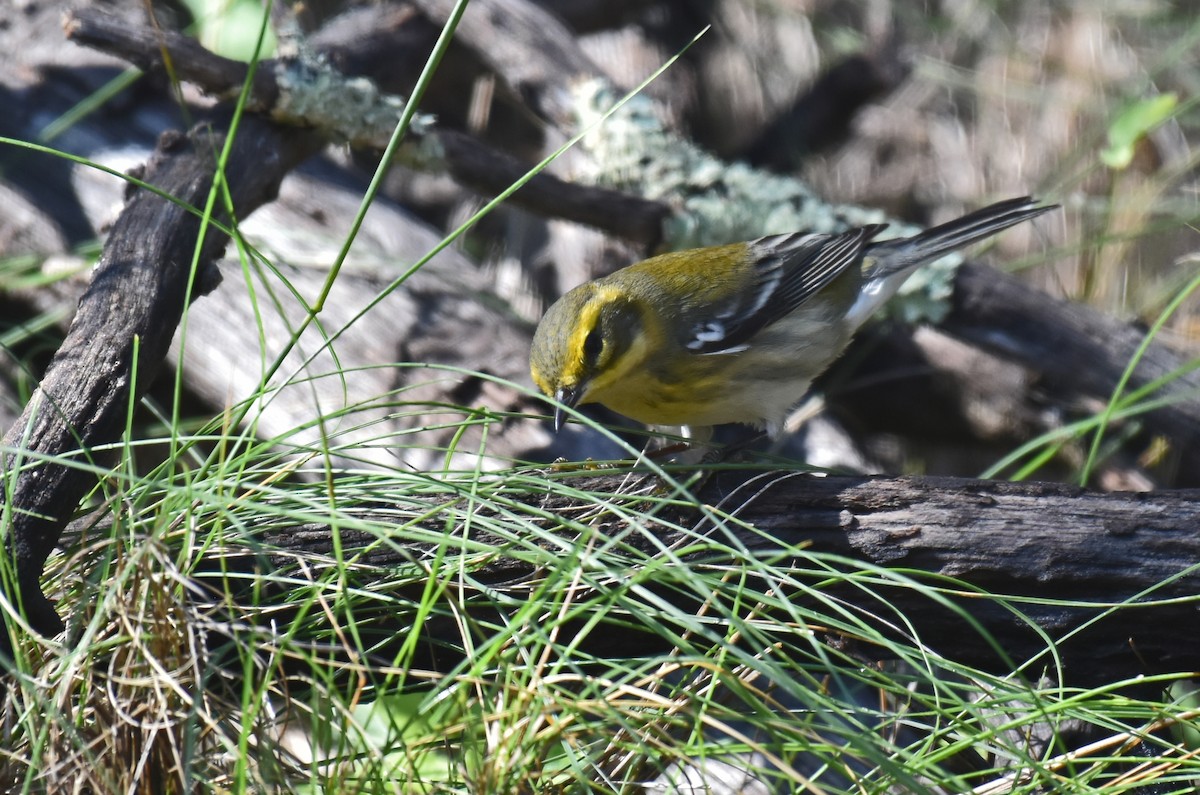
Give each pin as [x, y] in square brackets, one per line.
[593, 343]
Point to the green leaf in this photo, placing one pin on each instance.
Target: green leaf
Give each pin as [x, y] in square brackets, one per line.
[1132, 124]
[231, 27]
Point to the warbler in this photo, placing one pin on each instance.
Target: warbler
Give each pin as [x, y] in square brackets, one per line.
[734, 333]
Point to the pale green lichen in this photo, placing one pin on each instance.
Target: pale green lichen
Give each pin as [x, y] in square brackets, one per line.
[351, 109]
[925, 296]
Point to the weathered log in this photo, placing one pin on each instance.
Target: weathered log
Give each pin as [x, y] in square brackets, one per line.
[1110, 576]
[125, 322]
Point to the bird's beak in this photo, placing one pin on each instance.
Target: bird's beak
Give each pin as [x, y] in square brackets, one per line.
[566, 398]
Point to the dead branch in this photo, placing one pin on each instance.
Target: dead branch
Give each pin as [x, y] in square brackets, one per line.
[125, 321]
[468, 160]
[1081, 552]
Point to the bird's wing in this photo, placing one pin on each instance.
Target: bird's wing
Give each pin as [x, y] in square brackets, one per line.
[789, 269]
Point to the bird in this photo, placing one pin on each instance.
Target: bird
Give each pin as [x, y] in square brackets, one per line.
[733, 333]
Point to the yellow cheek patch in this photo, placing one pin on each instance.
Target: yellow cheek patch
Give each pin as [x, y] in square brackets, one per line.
[621, 368]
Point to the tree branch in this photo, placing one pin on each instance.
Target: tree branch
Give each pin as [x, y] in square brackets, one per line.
[122, 329]
[1018, 559]
[468, 160]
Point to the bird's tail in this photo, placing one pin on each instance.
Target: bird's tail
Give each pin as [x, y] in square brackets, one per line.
[905, 253]
[893, 260]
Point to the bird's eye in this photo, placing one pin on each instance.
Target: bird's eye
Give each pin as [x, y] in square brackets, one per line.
[593, 343]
